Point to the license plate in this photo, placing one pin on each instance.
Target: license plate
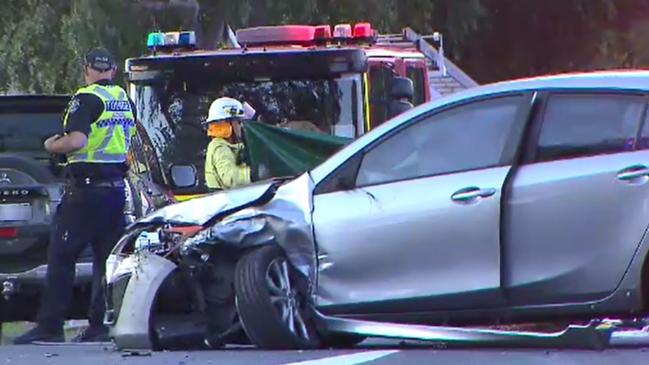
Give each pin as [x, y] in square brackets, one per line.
[15, 212]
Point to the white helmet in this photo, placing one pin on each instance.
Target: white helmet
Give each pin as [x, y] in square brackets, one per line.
[225, 108]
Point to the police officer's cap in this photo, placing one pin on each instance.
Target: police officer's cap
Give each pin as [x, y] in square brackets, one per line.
[99, 59]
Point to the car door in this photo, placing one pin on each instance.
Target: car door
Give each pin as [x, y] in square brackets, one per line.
[412, 222]
[578, 207]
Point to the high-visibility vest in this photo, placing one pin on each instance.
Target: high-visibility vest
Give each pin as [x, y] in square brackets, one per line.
[110, 135]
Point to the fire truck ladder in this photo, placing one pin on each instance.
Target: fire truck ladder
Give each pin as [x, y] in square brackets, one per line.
[410, 38]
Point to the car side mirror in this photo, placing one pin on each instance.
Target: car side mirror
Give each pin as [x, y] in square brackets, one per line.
[183, 176]
[346, 183]
[402, 88]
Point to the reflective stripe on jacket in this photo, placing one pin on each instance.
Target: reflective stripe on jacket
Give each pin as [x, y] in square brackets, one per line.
[110, 135]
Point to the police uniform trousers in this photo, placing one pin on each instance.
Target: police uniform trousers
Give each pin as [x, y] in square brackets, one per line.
[88, 215]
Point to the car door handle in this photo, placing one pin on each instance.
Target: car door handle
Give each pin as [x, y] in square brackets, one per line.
[633, 173]
[472, 193]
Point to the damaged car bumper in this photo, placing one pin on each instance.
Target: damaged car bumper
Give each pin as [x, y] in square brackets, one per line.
[131, 292]
[185, 234]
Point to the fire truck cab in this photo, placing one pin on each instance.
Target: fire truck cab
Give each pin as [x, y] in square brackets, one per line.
[386, 65]
[342, 81]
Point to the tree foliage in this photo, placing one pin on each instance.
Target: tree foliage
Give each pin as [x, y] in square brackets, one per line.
[42, 42]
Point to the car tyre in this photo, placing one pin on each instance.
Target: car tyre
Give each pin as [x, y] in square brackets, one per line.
[273, 310]
[342, 340]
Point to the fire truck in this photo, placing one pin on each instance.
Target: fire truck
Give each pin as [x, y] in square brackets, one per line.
[343, 80]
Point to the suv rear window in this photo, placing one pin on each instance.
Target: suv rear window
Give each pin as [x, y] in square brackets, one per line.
[576, 125]
[26, 132]
[26, 123]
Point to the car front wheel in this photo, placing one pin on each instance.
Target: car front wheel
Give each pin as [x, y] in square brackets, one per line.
[274, 311]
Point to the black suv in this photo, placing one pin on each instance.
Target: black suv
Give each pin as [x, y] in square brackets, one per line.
[31, 187]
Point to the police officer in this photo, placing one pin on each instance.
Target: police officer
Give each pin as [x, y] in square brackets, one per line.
[98, 125]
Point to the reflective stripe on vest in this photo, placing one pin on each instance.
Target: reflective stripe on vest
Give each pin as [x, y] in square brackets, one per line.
[110, 135]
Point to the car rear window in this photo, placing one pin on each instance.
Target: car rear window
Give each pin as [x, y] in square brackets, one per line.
[576, 125]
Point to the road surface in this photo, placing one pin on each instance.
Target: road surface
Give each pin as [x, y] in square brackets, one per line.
[374, 352]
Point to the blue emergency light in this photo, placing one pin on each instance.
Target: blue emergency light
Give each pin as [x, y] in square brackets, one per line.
[155, 40]
[160, 40]
[187, 39]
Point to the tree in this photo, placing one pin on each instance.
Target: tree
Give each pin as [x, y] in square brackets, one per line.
[526, 38]
[92, 23]
[42, 42]
[30, 55]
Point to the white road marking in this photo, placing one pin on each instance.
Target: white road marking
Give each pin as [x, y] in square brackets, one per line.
[350, 359]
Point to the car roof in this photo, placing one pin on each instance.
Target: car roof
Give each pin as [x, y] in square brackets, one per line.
[634, 80]
[37, 103]
[627, 80]
[34, 96]
[617, 79]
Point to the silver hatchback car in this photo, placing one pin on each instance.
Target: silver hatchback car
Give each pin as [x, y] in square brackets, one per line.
[518, 201]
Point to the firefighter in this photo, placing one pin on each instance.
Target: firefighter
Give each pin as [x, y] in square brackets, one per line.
[224, 163]
[98, 125]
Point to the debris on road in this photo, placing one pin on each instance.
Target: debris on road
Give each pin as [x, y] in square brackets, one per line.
[134, 353]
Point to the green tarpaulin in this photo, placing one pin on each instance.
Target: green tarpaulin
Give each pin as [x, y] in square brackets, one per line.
[287, 152]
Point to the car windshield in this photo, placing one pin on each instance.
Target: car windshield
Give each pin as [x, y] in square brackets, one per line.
[173, 111]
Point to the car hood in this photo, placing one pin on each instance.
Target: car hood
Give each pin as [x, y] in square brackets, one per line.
[201, 211]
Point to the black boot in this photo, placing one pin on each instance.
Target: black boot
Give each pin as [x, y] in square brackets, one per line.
[93, 334]
[40, 334]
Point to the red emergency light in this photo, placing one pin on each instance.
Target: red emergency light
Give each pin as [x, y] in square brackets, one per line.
[363, 30]
[322, 33]
[281, 34]
[9, 232]
[305, 35]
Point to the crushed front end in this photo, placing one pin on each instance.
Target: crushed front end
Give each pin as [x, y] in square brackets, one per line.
[170, 278]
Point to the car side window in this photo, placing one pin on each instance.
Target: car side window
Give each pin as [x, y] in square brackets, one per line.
[643, 142]
[578, 125]
[468, 137]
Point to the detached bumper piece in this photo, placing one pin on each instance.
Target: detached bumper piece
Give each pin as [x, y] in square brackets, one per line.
[573, 337]
[630, 338]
